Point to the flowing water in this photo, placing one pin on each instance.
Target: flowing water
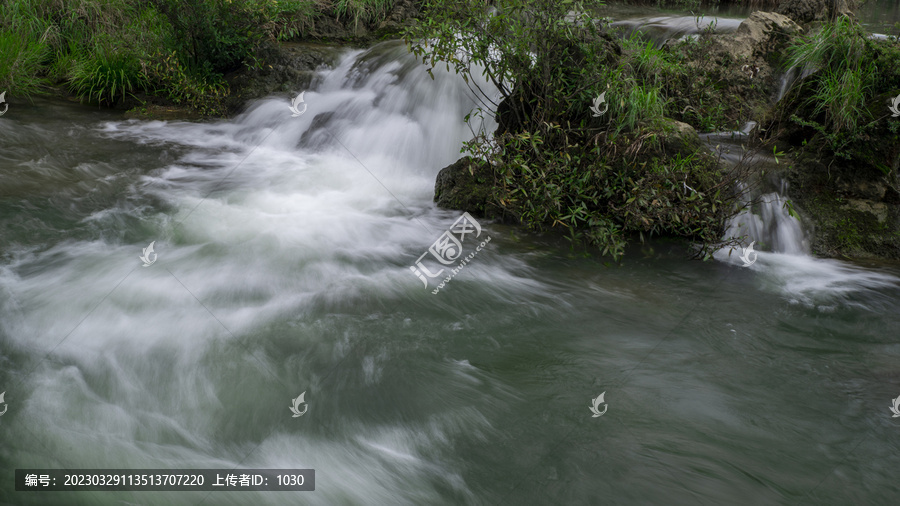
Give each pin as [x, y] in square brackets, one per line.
[659, 25]
[284, 250]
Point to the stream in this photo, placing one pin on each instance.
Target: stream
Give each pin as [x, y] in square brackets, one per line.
[282, 259]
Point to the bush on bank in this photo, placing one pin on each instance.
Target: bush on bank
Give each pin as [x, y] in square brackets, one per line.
[554, 163]
[107, 50]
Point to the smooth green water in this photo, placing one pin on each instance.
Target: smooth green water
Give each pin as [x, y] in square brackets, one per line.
[284, 267]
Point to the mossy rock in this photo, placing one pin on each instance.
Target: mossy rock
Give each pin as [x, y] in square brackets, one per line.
[468, 185]
[852, 213]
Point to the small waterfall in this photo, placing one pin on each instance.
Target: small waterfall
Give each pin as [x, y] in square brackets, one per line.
[765, 221]
[789, 78]
[785, 82]
[772, 228]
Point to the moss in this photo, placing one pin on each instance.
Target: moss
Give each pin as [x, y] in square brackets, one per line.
[843, 213]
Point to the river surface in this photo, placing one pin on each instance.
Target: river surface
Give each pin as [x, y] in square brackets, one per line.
[282, 262]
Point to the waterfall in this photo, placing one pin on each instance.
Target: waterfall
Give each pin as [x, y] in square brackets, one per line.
[771, 227]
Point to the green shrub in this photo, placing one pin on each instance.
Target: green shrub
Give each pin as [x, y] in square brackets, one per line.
[105, 75]
[172, 79]
[556, 164]
[842, 104]
[213, 35]
[21, 57]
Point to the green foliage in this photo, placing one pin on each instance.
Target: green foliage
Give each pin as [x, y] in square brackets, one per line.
[214, 35]
[105, 76]
[555, 164]
[202, 92]
[104, 50]
[289, 19]
[21, 56]
[843, 101]
[365, 11]
[844, 76]
[698, 85]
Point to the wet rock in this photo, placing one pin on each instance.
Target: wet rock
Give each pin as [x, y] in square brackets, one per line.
[760, 35]
[680, 138]
[163, 113]
[877, 209]
[286, 68]
[467, 185]
[853, 212]
[403, 12]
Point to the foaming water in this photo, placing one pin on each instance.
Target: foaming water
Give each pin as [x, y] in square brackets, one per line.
[260, 223]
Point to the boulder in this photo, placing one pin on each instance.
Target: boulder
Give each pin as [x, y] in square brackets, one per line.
[467, 185]
[680, 138]
[759, 35]
[810, 11]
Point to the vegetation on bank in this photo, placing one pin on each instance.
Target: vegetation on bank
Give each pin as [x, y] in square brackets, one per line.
[845, 136]
[843, 104]
[105, 51]
[555, 163]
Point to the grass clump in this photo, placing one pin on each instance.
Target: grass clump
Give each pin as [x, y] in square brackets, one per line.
[844, 76]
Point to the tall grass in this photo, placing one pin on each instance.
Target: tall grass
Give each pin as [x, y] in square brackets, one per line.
[365, 11]
[842, 81]
[21, 57]
[104, 76]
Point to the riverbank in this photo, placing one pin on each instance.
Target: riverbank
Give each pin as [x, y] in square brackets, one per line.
[189, 58]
